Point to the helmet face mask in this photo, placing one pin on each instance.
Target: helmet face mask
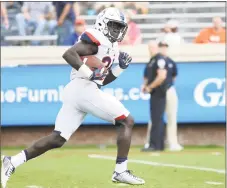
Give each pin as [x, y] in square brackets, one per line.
[111, 22]
[117, 31]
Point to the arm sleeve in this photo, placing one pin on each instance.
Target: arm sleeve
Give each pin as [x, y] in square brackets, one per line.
[109, 78]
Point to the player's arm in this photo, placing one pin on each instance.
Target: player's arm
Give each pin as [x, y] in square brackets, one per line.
[175, 71]
[145, 79]
[124, 61]
[145, 75]
[161, 75]
[84, 47]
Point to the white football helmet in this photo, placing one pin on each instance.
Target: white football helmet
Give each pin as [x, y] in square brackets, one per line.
[112, 23]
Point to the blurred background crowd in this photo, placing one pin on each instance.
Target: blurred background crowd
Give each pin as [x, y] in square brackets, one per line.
[61, 23]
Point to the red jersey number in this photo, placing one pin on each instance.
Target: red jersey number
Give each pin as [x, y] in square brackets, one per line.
[107, 61]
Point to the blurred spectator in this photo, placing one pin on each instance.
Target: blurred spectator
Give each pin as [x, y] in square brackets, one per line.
[65, 20]
[4, 16]
[84, 8]
[130, 5]
[164, 31]
[215, 34]
[99, 6]
[133, 35]
[77, 9]
[142, 7]
[13, 7]
[4, 23]
[137, 7]
[118, 5]
[37, 15]
[170, 33]
[79, 28]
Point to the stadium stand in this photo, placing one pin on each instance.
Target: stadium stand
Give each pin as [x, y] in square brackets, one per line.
[191, 19]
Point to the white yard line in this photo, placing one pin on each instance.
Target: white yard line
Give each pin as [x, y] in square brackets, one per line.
[161, 164]
[213, 183]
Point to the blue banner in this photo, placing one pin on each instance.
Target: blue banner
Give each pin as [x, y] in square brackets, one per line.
[31, 95]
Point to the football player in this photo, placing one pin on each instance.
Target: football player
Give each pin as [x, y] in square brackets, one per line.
[82, 96]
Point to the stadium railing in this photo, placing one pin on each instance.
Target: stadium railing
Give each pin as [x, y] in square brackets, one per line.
[167, 5]
[173, 15]
[27, 55]
[17, 38]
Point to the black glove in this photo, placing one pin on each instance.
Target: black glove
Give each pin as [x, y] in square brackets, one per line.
[124, 60]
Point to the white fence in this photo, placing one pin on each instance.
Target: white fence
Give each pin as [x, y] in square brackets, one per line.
[27, 55]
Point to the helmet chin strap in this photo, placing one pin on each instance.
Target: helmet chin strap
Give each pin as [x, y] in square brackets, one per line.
[111, 39]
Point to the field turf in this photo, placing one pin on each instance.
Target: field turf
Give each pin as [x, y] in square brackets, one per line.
[73, 168]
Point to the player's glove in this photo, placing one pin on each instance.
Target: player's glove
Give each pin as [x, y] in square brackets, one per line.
[99, 73]
[124, 60]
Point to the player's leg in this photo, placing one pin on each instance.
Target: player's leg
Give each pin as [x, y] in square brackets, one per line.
[107, 107]
[124, 134]
[158, 127]
[21, 23]
[68, 120]
[9, 164]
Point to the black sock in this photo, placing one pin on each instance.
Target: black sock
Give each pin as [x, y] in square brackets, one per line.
[121, 159]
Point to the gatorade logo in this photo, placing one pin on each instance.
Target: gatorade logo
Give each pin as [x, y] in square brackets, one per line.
[210, 99]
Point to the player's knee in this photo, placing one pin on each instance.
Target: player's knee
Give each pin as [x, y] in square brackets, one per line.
[57, 140]
[130, 121]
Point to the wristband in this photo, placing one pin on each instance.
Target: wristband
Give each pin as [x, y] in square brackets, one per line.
[116, 71]
[85, 70]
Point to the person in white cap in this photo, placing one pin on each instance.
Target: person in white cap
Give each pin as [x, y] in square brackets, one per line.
[172, 37]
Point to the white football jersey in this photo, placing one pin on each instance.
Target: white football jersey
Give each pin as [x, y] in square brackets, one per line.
[107, 52]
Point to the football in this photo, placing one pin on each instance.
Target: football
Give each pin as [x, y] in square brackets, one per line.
[92, 61]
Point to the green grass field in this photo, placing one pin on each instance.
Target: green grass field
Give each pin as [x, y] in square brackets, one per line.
[73, 168]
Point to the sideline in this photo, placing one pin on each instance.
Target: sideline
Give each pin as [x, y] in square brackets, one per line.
[160, 164]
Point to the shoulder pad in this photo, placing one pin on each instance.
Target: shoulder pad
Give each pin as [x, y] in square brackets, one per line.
[90, 38]
[93, 36]
[96, 37]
